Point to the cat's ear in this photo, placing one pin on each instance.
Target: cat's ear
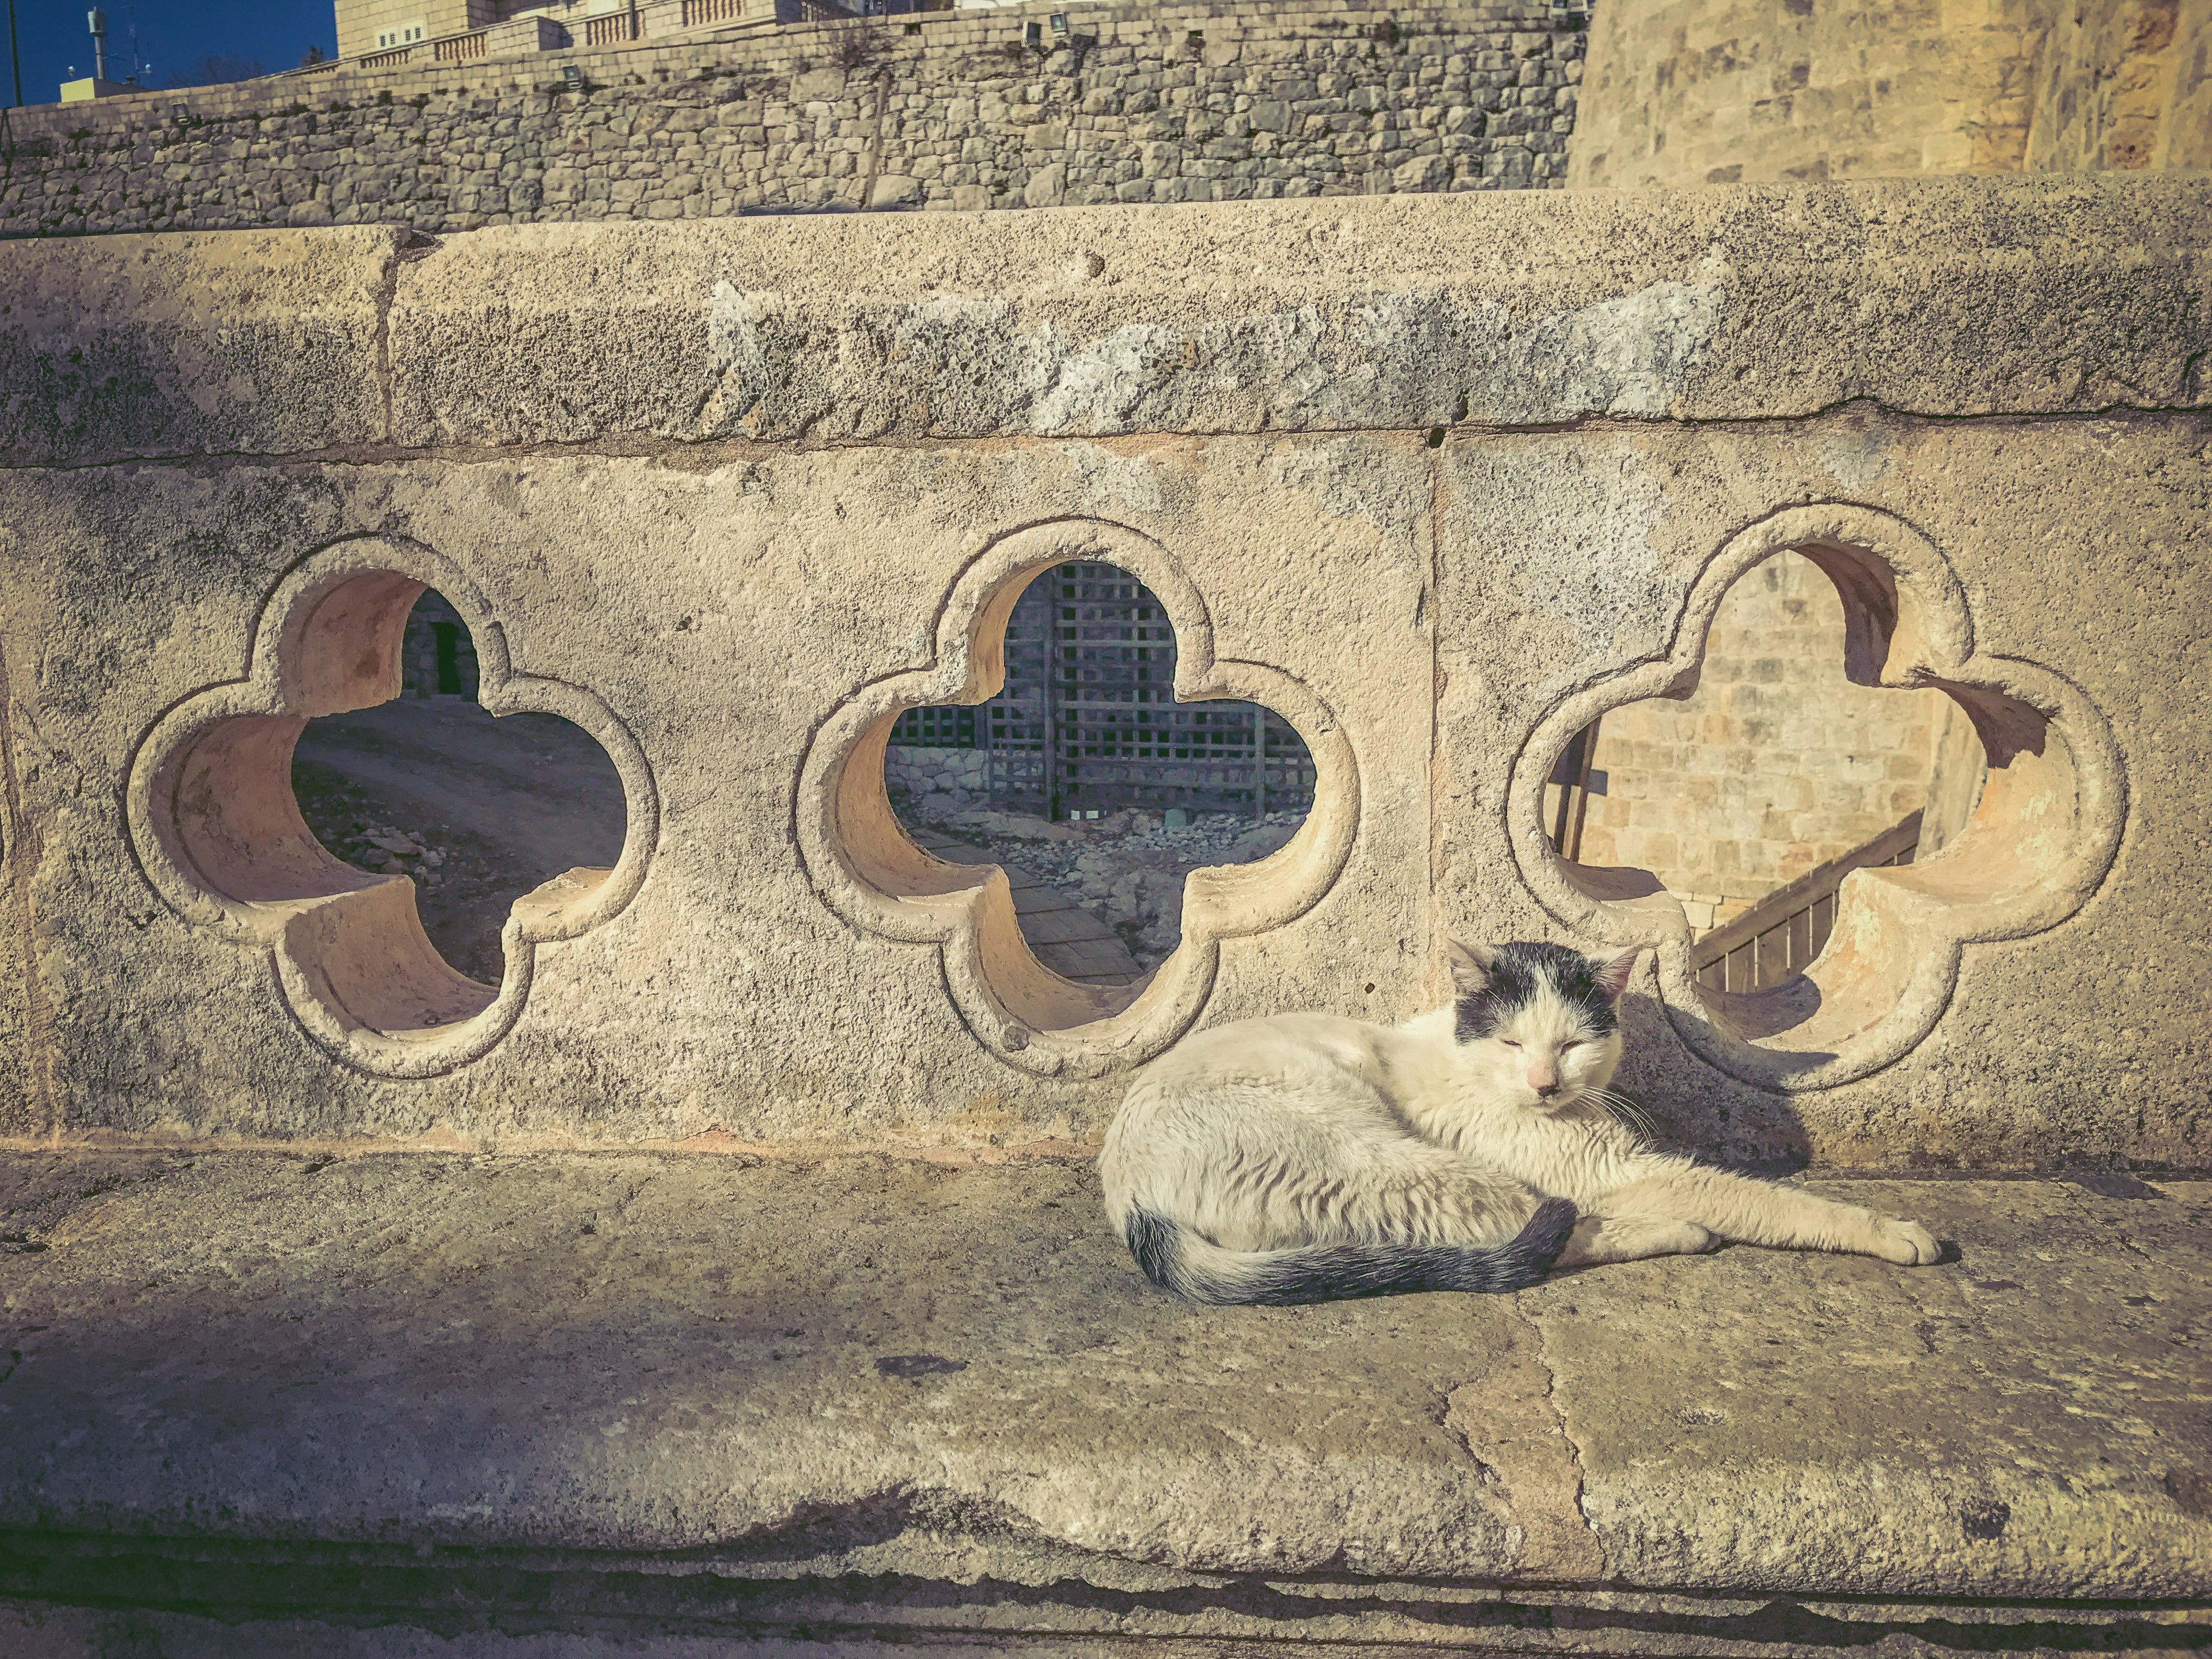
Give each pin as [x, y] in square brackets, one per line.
[1470, 965]
[1612, 972]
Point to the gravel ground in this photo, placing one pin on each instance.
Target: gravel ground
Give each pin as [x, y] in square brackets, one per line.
[1127, 868]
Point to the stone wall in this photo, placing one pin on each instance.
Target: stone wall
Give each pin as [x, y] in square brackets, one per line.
[1695, 91]
[1437, 479]
[1179, 103]
[956, 777]
[1684, 92]
[1776, 763]
[435, 630]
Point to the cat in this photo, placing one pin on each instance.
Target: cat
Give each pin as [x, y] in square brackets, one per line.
[1306, 1157]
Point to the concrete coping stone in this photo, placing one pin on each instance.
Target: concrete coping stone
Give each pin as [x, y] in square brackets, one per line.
[1964, 297]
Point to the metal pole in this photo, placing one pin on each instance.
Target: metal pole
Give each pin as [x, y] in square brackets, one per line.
[1573, 852]
[1051, 704]
[15, 59]
[1258, 762]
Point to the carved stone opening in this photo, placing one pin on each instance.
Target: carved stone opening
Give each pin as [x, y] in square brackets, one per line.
[2030, 825]
[221, 836]
[871, 870]
[1091, 783]
[475, 809]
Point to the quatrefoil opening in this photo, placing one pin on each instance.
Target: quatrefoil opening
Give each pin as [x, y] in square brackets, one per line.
[219, 835]
[871, 872]
[2039, 840]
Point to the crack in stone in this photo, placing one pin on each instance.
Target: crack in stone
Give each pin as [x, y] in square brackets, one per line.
[388, 296]
[1536, 1471]
[698, 454]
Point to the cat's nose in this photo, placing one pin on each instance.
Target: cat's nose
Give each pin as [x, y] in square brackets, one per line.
[1545, 1087]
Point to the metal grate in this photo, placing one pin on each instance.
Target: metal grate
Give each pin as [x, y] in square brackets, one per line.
[946, 727]
[1088, 721]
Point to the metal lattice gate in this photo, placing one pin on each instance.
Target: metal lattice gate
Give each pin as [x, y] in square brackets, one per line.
[1088, 721]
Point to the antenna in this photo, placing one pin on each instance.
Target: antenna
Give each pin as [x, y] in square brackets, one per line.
[96, 20]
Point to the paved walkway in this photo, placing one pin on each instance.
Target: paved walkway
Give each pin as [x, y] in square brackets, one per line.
[1072, 941]
[406, 1403]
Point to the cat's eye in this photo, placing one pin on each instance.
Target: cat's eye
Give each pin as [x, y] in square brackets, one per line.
[1508, 1042]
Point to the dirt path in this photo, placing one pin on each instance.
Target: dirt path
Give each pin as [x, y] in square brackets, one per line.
[493, 808]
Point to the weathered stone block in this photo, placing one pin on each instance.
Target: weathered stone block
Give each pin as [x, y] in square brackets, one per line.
[261, 342]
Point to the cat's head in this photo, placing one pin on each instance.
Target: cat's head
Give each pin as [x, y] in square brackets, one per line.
[1541, 1022]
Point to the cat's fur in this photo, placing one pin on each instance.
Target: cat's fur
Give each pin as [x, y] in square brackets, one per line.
[1306, 1157]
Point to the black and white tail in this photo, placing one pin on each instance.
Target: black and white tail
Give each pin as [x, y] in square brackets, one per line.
[1199, 1270]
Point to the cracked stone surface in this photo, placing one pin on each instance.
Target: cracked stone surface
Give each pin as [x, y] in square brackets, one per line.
[762, 1391]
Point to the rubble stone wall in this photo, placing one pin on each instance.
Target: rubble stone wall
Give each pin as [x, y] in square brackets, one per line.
[1178, 103]
[955, 773]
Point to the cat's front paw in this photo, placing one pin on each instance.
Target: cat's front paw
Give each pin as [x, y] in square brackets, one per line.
[1907, 1243]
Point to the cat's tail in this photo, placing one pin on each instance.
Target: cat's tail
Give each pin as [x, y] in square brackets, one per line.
[1199, 1270]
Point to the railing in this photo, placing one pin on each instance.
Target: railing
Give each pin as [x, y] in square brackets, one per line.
[460, 48]
[1577, 781]
[697, 12]
[1782, 934]
[388, 59]
[607, 30]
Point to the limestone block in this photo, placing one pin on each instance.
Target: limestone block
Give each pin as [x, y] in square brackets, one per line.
[185, 345]
[1687, 305]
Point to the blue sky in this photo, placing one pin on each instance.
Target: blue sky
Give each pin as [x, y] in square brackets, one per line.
[175, 37]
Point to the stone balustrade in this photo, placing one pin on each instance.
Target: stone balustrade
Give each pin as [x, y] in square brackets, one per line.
[1437, 480]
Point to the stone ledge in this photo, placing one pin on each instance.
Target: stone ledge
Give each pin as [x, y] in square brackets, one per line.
[646, 1400]
[1527, 308]
[1512, 308]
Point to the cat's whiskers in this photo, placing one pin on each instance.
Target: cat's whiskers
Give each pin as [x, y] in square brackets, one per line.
[1627, 1113]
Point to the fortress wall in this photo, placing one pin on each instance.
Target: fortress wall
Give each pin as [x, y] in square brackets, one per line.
[1776, 763]
[1177, 103]
[1685, 92]
[1438, 479]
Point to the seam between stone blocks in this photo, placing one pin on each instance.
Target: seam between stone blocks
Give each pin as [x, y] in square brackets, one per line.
[702, 452]
[388, 296]
[1567, 1434]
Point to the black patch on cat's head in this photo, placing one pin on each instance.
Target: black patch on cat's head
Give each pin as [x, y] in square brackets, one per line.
[1519, 974]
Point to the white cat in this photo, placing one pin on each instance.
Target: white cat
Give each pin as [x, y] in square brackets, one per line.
[1306, 1157]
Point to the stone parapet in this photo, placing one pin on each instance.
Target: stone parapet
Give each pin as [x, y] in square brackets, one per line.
[1437, 480]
